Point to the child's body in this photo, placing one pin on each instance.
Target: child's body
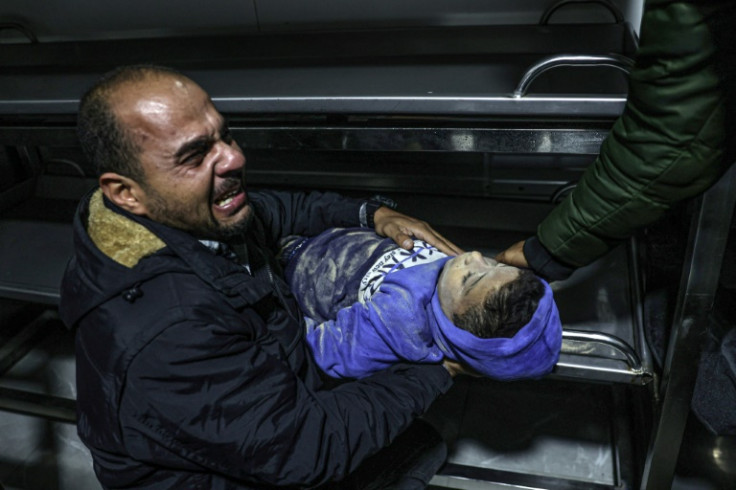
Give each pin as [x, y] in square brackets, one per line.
[369, 304]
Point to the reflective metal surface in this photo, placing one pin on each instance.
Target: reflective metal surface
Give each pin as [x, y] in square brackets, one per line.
[529, 434]
[39, 447]
[590, 339]
[529, 141]
[60, 20]
[706, 244]
[614, 61]
[357, 90]
[51, 243]
[448, 70]
[600, 310]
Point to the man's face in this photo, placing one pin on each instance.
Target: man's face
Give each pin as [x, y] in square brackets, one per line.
[466, 280]
[193, 168]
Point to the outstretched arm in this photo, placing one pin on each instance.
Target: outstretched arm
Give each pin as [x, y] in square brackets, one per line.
[668, 145]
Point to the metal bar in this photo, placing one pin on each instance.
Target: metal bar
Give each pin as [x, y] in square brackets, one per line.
[570, 107]
[544, 140]
[618, 16]
[472, 477]
[618, 62]
[637, 316]
[588, 372]
[632, 359]
[38, 404]
[39, 135]
[503, 140]
[22, 342]
[701, 270]
[19, 27]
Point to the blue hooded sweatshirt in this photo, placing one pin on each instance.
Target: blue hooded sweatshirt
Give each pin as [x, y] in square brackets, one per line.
[369, 304]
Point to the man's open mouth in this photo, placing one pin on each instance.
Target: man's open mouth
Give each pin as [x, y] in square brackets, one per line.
[230, 201]
[228, 197]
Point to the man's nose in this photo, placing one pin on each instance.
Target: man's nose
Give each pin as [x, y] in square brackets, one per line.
[230, 159]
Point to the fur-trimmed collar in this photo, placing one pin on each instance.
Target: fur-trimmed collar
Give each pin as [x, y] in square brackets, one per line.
[123, 240]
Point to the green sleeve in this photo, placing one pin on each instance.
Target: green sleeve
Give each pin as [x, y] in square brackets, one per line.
[668, 145]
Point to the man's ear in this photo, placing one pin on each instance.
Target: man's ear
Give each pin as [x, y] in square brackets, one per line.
[124, 192]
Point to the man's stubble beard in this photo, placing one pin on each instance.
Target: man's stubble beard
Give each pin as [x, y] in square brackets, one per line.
[238, 229]
[159, 210]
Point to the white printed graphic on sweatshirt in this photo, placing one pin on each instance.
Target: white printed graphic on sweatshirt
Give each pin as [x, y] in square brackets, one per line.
[422, 253]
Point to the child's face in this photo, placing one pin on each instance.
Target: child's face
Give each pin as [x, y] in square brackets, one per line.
[466, 279]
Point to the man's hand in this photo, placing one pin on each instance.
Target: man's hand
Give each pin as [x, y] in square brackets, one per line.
[514, 255]
[401, 228]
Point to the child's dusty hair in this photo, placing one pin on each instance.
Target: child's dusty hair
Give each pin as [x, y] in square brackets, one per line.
[503, 311]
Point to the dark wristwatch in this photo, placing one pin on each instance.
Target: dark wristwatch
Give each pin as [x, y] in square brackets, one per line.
[368, 209]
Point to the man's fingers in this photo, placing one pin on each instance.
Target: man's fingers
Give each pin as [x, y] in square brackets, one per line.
[439, 241]
[450, 248]
[514, 255]
[402, 228]
[404, 241]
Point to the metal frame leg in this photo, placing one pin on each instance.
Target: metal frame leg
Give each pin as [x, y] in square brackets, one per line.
[700, 274]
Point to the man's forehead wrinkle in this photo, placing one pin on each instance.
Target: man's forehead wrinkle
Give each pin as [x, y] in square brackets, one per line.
[137, 99]
[170, 110]
[145, 117]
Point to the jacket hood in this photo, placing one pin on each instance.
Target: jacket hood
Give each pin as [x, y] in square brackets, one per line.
[532, 352]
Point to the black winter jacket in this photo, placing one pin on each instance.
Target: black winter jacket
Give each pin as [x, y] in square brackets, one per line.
[191, 373]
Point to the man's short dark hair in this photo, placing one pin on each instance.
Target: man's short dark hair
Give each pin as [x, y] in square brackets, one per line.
[105, 142]
[503, 311]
